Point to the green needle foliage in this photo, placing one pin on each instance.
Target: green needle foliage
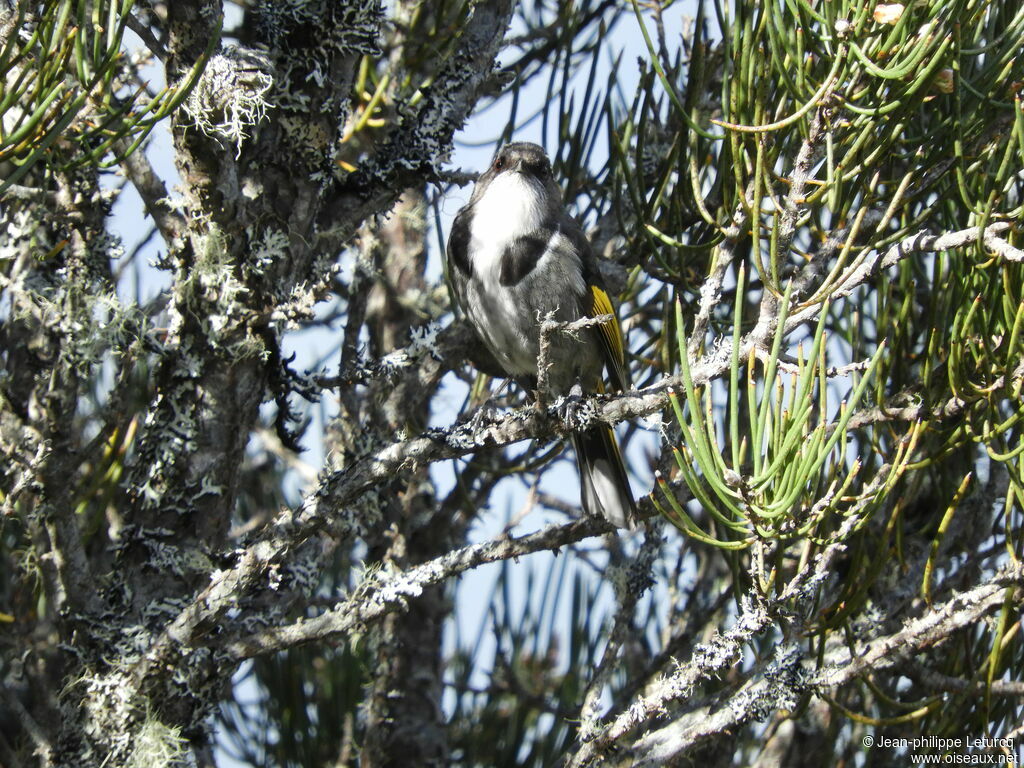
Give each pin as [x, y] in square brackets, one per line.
[793, 486]
[63, 100]
[920, 122]
[789, 150]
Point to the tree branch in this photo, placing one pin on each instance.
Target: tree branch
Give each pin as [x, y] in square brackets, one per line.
[784, 678]
[410, 155]
[383, 593]
[153, 192]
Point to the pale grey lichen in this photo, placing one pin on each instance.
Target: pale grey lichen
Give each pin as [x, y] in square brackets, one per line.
[231, 97]
[345, 27]
[422, 341]
[117, 726]
[708, 659]
[21, 225]
[753, 616]
[364, 515]
[268, 246]
[397, 587]
[158, 745]
[106, 716]
[463, 436]
[163, 609]
[301, 571]
[166, 557]
[307, 39]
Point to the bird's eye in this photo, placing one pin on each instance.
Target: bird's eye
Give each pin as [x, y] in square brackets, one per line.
[499, 163]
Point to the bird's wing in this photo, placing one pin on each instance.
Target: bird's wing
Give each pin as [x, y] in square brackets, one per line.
[597, 302]
[610, 334]
[457, 264]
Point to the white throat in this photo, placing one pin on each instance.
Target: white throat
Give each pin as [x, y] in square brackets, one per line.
[510, 207]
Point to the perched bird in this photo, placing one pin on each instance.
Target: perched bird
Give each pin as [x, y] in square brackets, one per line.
[514, 256]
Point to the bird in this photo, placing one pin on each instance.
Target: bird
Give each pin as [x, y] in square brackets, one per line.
[516, 258]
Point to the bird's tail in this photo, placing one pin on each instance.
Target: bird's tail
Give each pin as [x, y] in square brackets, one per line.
[604, 485]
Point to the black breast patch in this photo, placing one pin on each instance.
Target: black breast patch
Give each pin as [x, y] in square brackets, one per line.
[521, 256]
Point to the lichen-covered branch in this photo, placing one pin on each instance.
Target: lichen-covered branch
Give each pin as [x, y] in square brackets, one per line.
[783, 679]
[384, 592]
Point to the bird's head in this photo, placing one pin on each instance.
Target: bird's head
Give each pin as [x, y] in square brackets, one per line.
[524, 166]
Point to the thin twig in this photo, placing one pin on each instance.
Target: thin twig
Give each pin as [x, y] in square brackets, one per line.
[153, 192]
[548, 328]
[146, 35]
[31, 194]
[940, 682]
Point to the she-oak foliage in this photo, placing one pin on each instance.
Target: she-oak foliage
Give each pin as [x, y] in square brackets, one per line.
[809, 213]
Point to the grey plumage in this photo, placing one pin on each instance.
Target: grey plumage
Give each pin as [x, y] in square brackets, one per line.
[515, 256]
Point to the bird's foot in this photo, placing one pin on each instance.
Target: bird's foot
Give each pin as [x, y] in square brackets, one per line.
[484, 416]
[574, 411]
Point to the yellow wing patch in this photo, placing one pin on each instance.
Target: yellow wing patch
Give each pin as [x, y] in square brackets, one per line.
[611, 336]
